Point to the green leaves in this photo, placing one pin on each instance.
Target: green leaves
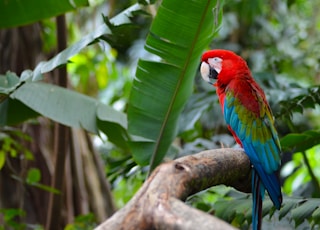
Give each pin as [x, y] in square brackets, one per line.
[305, 210]
[299, 142]
[307, 98]
[8, 83]
[72, 109]
[24, 98]
[10, 217]
[301, 209]
[238, 209]
[2, 158]
[114, 124]
[59, 104]
[178, 36]
[27, 12]
[34, 177]
[159, 91]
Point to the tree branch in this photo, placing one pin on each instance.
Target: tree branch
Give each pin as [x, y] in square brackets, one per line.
[157, 204]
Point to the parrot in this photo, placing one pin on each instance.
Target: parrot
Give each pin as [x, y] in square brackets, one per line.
[249, 119]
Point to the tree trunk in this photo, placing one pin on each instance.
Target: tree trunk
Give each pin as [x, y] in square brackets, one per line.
[20, 49]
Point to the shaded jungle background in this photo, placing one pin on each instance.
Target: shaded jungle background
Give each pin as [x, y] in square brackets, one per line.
[95, 173]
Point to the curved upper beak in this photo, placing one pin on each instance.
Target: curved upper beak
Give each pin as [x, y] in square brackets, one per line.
[208, 73]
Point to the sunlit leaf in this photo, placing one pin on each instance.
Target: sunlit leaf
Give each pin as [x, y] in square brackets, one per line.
[11, 213]
[2, 158]
[46, 188]
[64, 56]
[33, 176]
[178, 36]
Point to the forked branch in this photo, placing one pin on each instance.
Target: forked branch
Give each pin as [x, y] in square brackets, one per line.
[158, 204]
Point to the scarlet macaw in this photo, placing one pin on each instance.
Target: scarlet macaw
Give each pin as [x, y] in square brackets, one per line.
[250, 120]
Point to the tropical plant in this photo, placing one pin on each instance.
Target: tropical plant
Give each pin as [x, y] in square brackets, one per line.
[165, 104]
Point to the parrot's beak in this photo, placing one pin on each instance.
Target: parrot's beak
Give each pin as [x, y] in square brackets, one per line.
[208, 73]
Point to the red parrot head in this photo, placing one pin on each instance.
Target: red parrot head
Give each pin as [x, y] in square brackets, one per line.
[223, 66]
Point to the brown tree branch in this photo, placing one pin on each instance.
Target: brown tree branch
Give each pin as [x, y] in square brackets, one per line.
[157, 204]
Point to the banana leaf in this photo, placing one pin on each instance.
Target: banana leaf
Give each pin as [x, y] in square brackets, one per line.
[179, 34]
[18, 13]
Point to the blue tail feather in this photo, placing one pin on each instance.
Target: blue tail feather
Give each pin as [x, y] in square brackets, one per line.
[257, 197]
[269, 180]
[271, 183]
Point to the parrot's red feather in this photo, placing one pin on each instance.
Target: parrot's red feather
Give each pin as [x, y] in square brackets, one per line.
[249, 118]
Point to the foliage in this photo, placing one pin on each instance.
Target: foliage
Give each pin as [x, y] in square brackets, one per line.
[298, 175]
[128, 184]
[285, 63]
[57, 100]
[32, 11]
[161, 88]
[9, 216]
[10, 146]
[299, 142]
[33, 178]
[82, 222]
[235, 207]
[280, 42]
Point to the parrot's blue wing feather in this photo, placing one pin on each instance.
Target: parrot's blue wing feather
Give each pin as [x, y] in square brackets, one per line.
[259, 139]
[257, 131]
[250, 121]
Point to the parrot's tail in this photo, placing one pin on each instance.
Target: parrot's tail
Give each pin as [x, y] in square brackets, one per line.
[257, 197]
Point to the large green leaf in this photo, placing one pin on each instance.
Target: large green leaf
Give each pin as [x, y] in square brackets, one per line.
[63, 57]
[179, 34]
[71, 108]
[13, 112]
[10, 82]
[59, 104]
[114, 125]
[22, 98]
[17, 13]
[299, 142]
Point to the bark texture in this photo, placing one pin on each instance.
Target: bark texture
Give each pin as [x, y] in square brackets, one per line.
[158, 204]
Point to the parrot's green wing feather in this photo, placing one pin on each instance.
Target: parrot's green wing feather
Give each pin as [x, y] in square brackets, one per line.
[251, 120]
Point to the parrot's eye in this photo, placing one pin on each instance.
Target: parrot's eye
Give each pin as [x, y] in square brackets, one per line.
[215, 63]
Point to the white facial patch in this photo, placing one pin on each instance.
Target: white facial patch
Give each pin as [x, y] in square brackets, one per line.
[215, 63]
[205, 71]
